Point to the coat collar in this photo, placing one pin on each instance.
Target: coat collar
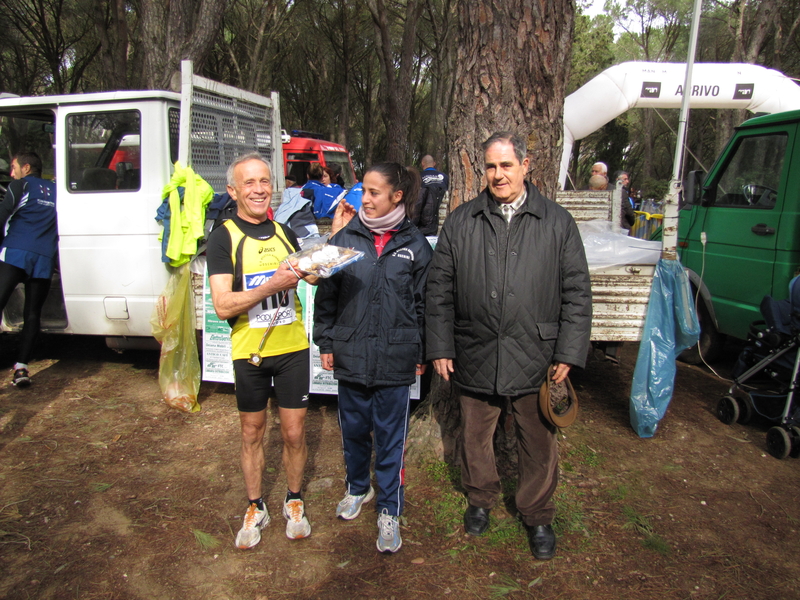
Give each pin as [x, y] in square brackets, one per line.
[534, 204]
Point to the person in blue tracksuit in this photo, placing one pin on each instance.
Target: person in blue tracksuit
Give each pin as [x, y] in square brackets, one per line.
[28, 246]
[369, 326]
[321, 191]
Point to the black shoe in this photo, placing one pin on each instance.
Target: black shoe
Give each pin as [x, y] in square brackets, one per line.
[476, 520]
[543, 541]
[21, 378]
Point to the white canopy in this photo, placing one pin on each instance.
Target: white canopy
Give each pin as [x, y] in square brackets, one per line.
[660, 85]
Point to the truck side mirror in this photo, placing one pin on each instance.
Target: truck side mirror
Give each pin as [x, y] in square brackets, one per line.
[693, 187]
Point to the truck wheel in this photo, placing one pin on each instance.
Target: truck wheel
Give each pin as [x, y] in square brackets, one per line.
[711, 341]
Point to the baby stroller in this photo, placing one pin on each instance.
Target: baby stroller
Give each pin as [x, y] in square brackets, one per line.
[765, 377]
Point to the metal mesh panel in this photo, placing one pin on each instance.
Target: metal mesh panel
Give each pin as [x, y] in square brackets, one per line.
[174, 133]
[224, 128]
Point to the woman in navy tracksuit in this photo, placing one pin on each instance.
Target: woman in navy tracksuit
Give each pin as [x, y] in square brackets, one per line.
[368, 324]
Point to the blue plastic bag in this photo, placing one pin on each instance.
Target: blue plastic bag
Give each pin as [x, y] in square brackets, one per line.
[670, 327]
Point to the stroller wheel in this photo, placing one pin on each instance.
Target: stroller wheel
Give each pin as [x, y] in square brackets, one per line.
[794, 434]
[778, 442]
[728, 410]
[745, 410]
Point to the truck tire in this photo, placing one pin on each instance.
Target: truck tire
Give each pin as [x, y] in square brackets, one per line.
[711, 340]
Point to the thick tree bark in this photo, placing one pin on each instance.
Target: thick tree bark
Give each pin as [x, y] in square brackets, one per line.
[512, 68]
[175, 31]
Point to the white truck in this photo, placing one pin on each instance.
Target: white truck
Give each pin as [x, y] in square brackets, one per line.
[111, 154]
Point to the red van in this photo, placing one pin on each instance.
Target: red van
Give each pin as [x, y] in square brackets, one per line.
[303, 148]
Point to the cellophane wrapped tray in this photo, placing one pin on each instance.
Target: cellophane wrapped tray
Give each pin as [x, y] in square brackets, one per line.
[323, 260]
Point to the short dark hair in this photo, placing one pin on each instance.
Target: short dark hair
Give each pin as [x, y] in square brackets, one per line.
[404, 179]
[31, 159]
[508, 137]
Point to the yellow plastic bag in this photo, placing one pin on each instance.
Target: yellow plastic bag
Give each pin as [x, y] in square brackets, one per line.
[173, 327]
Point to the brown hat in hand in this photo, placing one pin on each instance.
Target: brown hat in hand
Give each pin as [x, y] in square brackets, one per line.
[558, 402]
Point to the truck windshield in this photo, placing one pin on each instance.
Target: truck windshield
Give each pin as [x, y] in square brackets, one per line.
[18, 134]
[753, 174]
[343, 160]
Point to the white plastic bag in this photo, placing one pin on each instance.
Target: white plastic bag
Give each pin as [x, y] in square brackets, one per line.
[606, 248]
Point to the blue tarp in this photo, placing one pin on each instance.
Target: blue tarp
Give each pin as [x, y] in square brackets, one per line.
[670, 327]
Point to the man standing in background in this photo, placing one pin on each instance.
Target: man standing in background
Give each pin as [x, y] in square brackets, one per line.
[434, 187]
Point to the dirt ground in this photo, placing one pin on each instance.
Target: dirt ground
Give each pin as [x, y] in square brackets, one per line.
[106, 493]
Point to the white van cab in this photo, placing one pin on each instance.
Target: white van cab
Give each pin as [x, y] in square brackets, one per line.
[111, 154]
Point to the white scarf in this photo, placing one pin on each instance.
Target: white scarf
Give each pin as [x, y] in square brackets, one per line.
[381, 225]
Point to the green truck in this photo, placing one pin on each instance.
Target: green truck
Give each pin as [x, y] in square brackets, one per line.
[738, 225]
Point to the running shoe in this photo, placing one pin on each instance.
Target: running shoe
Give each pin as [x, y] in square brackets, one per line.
[255, 520]
[350, 506]
[388, 533]
[21, 378]
[297, 525]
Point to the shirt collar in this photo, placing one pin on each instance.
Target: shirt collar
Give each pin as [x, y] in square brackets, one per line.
[516, 204]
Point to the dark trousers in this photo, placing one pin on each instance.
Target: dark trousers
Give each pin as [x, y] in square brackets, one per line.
[537, 450]
[35, 295]
[382, 411]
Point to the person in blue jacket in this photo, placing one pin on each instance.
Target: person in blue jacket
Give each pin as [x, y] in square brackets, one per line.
[321, 191]
[369, 326]
[29, 242]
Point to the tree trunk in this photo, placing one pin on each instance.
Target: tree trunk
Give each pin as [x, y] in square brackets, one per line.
[442, 53]
[111, 26]
[512, 69]
[396, 75]
[175, 31]
[648, 171]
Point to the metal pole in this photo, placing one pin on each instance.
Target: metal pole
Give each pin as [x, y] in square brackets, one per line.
[670, 230]
[185, 139]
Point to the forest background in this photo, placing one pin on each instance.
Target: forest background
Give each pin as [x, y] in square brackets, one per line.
[379, 76]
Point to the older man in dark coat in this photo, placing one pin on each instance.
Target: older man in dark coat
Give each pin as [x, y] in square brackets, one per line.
[508, 296]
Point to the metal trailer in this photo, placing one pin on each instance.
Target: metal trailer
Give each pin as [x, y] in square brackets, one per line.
[619, 294]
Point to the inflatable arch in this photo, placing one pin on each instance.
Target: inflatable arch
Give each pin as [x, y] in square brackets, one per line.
[660, 85]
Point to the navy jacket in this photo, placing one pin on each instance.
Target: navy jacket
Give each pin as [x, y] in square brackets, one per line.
[28, 216]
[370, 315]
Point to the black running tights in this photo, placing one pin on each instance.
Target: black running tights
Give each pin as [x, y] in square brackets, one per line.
[35, 294]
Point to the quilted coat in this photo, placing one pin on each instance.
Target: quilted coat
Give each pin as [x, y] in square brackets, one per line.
[504, 301]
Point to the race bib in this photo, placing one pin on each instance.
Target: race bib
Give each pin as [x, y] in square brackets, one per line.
[261, 315]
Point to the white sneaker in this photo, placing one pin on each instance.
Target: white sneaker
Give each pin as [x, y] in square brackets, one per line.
[297, 525]
[254, 521]
[350, 506]
[388, 533]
